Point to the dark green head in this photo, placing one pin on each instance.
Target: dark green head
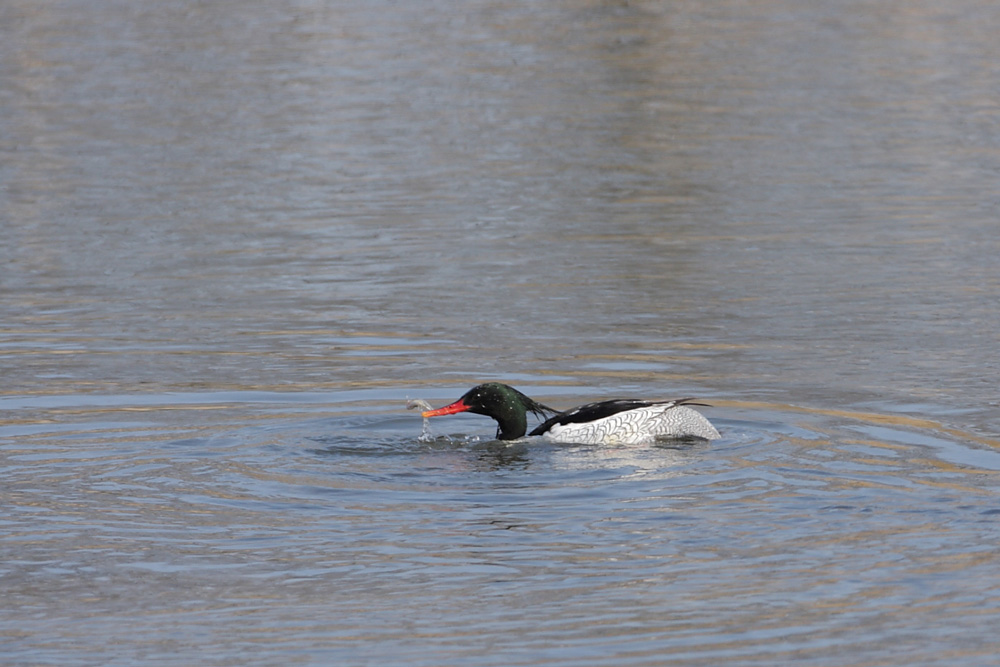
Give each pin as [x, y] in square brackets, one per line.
[506, 405]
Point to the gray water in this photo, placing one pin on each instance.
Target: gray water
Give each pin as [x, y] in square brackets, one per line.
[238, 236]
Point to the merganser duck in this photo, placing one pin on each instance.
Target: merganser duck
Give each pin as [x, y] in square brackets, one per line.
[620, 421]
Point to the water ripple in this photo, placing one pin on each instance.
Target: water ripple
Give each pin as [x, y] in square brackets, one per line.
[798, 533]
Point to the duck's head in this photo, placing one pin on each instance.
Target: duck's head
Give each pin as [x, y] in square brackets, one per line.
[506, 405]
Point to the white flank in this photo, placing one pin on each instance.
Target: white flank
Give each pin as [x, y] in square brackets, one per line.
[634, 427]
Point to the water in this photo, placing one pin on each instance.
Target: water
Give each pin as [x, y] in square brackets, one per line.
[238, 237]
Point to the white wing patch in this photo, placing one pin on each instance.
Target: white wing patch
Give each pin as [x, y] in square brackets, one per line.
[633, 427]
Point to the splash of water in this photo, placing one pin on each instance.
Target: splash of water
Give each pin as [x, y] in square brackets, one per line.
[425, 432]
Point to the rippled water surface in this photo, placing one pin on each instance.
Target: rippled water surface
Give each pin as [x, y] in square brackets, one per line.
[238, 237]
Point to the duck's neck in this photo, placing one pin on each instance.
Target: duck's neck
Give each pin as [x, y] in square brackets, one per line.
[512, 421]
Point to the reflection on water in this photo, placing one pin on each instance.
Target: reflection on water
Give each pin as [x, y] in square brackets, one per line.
[236, 238]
